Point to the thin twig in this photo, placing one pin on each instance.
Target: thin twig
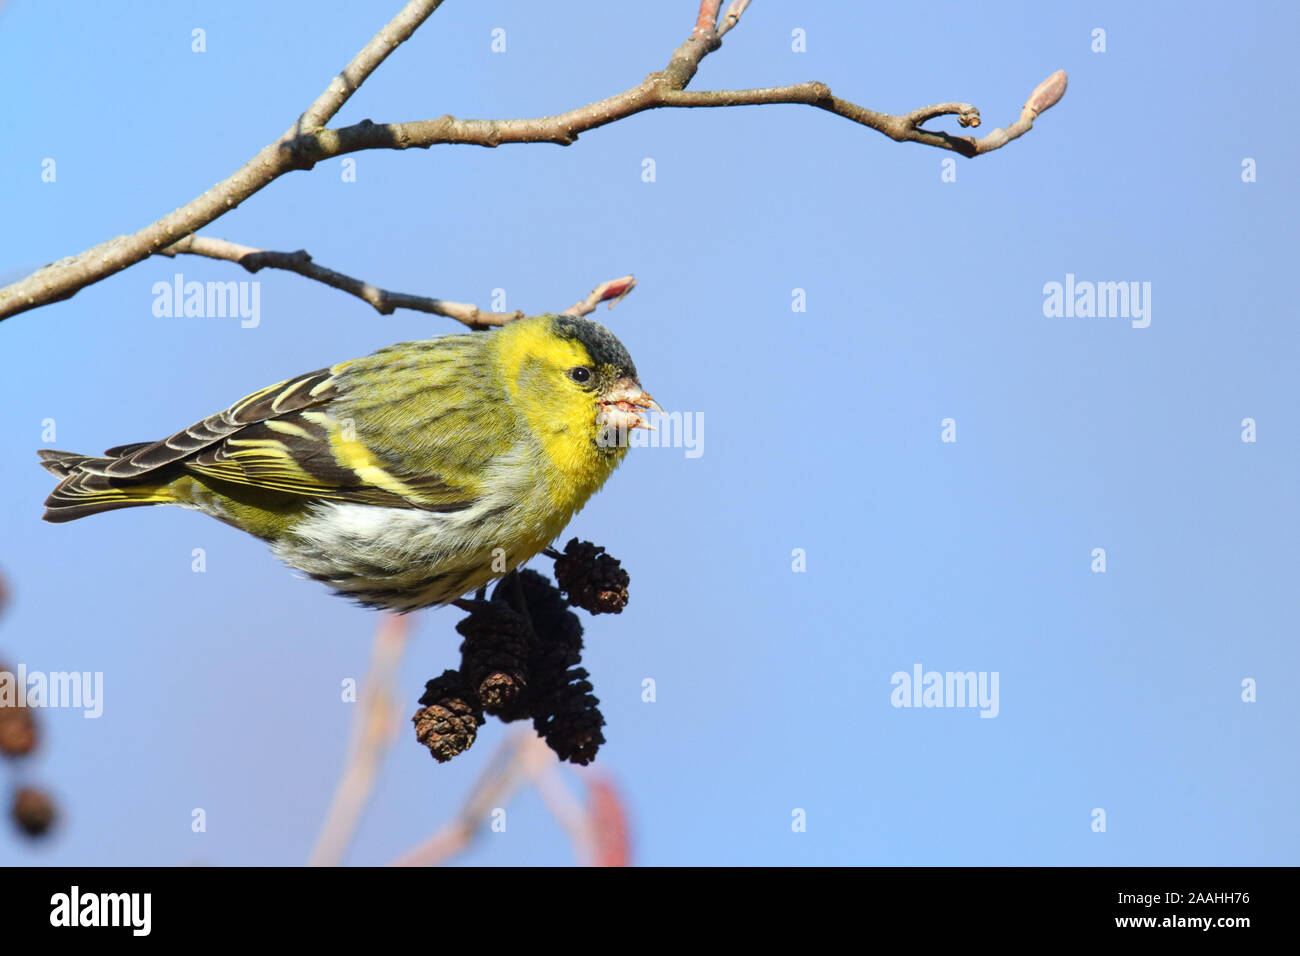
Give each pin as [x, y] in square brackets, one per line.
[382, 300]
[732, 16]
[341, 88]
[614, 291]
[301, 262]
[707, 20]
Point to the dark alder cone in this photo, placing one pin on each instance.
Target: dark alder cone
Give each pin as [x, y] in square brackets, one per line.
[593, 580]
[544, 599]
[558, 630]
[33, 811]
[449, 721]
[564, 710]
[557, 638]
[567, 717]
[518, 660]
[502, 692]
[494, 657]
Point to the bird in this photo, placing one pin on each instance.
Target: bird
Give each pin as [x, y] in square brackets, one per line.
[404, 479]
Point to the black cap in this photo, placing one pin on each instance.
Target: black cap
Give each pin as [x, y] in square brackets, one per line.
[599, 342]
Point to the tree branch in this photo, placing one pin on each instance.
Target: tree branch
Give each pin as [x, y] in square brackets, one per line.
[382, 300]
[308, 142]
[659, 91]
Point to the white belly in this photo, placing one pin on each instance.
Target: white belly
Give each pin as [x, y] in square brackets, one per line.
[397, 558]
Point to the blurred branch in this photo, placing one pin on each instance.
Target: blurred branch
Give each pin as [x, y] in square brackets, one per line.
[308, 141]
[597, 830]
[568, 812]
[607, 816]
[505, 772]
[374, 729]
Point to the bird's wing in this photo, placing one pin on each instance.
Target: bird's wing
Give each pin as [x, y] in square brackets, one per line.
[311, 453]
[284, 438]
[135, 461]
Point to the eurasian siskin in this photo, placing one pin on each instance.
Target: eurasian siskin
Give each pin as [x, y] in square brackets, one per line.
[403, 479]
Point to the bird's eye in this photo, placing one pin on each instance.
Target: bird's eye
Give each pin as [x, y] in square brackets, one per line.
[580, 374]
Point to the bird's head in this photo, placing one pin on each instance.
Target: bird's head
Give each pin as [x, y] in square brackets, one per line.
[575, 383]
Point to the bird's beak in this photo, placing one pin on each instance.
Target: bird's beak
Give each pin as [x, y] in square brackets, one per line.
[624, 406]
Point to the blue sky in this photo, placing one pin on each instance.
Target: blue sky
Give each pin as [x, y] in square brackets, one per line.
[1119, 690]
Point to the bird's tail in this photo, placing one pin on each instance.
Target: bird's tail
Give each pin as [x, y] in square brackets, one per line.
[83, 489]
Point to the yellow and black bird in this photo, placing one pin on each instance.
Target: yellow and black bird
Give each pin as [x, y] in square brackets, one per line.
[403, 479]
